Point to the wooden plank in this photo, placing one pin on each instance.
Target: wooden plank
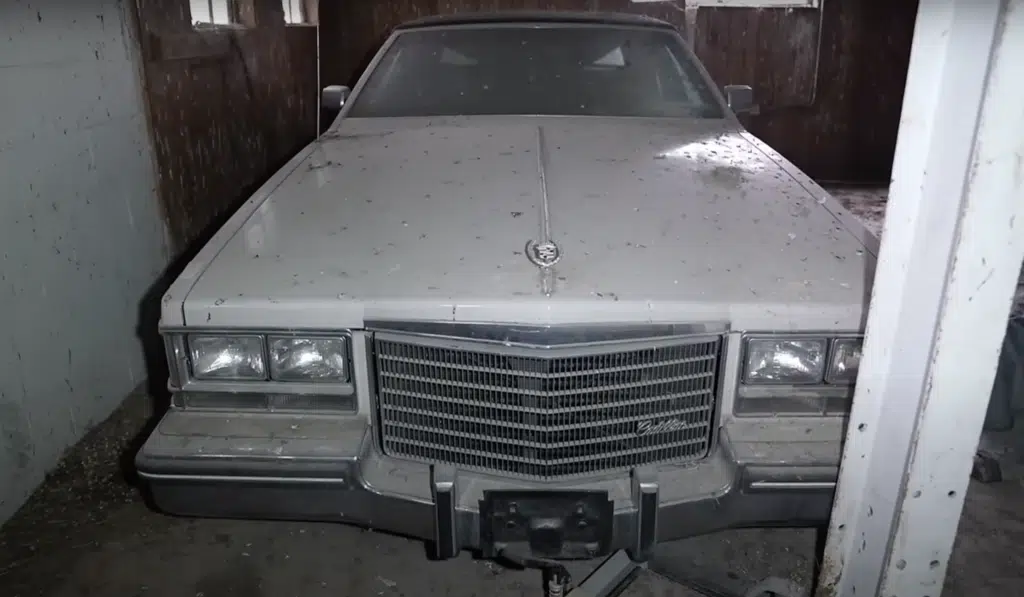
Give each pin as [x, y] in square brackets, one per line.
[221, 127]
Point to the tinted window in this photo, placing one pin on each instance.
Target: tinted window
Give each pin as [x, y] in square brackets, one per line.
[584, 71]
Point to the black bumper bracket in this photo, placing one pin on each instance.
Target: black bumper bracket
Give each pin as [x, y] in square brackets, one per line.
[547, 525]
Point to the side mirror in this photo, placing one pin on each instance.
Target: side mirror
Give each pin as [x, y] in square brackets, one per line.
[333, 97]
[740, 99]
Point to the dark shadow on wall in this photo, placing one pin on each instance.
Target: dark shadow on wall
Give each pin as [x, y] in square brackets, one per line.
[227, 108]
[148, 327]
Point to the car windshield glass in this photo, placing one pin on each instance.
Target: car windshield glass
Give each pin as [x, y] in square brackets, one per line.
[551, 71]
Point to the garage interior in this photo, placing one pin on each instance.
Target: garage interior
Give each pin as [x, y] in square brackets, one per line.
[131, 129]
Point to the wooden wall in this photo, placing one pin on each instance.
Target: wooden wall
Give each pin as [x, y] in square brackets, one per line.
[226, 107]
[829, 82]
[837, 124]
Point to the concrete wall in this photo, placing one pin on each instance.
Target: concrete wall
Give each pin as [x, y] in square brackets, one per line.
[81, 233]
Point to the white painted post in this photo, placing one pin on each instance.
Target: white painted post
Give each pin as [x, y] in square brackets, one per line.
[949, 261]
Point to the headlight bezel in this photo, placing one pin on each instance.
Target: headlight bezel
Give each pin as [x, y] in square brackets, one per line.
[825, 379]
[830, 364]
[346, 354]
[745, 369]
[192, 346]
[341, 395]
[824, 397]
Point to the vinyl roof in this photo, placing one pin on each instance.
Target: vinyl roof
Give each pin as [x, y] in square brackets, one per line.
[555, 17]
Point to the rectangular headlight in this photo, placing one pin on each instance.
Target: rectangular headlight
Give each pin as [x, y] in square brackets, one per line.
[317, 359]
[225, 358]
[785, 360]
[844, 361]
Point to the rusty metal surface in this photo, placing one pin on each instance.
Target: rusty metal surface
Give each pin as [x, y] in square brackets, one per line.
[226, 108]
[834, 112]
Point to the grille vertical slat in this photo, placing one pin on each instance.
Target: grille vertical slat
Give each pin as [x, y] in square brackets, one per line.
[546, 413]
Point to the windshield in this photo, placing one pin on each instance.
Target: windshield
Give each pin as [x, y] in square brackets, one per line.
[551, 71]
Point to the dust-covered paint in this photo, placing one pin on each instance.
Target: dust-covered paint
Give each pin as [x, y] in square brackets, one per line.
[424, 219]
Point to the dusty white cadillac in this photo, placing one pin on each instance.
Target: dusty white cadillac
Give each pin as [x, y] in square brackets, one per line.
[536, 292]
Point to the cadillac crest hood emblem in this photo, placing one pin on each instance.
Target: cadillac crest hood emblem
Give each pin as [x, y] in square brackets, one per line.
[544, 254]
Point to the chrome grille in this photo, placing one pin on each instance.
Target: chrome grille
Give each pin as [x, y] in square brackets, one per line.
[545, 412]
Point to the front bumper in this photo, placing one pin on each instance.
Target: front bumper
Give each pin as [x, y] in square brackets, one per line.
[330, 469]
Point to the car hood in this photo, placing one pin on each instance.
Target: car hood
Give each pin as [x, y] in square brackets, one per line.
[429, 219]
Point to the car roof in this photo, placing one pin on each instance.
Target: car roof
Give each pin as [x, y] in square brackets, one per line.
[526, 16]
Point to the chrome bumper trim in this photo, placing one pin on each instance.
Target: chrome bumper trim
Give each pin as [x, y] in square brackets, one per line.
[162, 477]
[443, 488]
[798, 485]
[645, 499]
[358, 485]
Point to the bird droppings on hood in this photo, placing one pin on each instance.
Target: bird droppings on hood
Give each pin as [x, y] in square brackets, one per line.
[730, 177]
[314, 166]
[590, 190]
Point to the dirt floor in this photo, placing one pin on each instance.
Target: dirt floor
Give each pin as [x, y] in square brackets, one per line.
[88, 531]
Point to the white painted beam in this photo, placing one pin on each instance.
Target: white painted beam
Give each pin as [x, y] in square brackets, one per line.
[948, 264]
